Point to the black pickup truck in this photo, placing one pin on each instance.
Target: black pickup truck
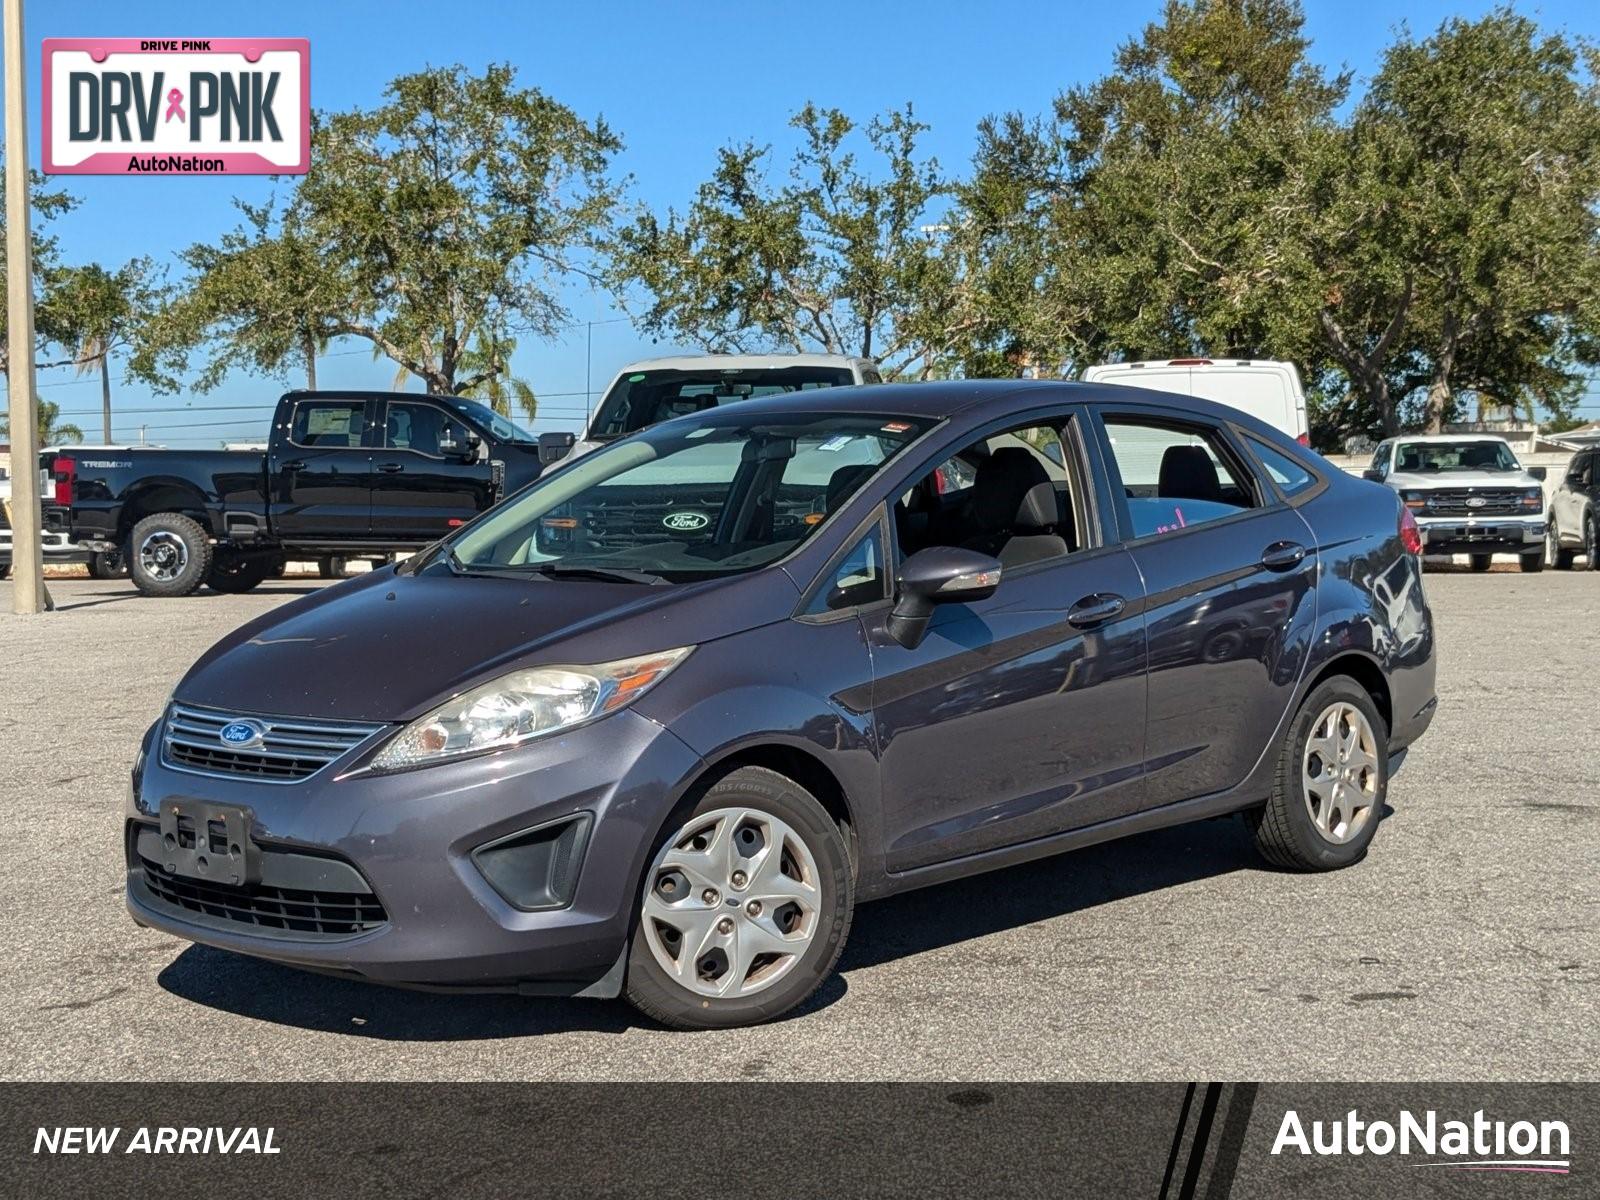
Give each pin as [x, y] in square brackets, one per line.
[346, 474]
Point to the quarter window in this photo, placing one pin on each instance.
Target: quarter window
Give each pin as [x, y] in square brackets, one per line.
[1289, 475]
[1175, 475]
[859, 579]
[328, 423]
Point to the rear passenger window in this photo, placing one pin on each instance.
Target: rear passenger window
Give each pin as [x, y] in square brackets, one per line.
[328, 423]
[1175, 475]
[1289, 475]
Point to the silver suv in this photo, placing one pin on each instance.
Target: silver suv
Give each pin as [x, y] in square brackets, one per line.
[1469, 495]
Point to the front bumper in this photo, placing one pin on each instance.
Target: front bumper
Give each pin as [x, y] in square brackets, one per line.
[411, 837]
[1482, 535]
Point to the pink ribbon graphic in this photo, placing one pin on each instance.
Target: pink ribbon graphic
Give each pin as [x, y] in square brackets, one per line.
[175, 106]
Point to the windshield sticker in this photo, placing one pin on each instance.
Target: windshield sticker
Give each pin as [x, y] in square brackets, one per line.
[895, 427]
[321, 421]
[837, 442]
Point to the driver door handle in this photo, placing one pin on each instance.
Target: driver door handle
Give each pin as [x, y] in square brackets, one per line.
[391, 468]
[1095, 610]
[294, 464]
[1283, 556]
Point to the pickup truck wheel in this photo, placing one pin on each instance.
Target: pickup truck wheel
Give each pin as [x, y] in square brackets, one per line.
[1482, 562]
[170, 555]
[232, 573]
[5, 570]
[108, 564]
[1333, 775]
[331, 566]
[1533, 562]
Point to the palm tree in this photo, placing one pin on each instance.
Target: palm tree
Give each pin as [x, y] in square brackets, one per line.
[52, 432]
[490, 356]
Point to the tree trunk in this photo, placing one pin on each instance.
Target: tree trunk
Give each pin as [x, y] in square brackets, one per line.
[105, 397]
[309, 348]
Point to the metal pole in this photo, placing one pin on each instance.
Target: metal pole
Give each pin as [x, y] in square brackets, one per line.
[588, 364]
[29, 594]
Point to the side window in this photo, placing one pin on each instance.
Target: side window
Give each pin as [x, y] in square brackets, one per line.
[1175, 474]
[1582, 470]
[1009, 495]
[324, 423]
[423, 428]
[1381, 457]
[861, 578]
[1289, 475]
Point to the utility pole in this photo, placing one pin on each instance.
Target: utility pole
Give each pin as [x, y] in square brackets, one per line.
[29, 594]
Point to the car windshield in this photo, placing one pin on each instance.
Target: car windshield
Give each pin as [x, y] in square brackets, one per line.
[485, 417]
[1486, 455]
[640, 399]
[725, 493]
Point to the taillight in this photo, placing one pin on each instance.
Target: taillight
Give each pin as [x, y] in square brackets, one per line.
[1304, 439]
[62, 470]
[1410, 535]
[1188, 362]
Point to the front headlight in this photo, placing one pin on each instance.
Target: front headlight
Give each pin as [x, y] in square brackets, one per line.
[1415, 501]
[1533, 499]
[524, 705]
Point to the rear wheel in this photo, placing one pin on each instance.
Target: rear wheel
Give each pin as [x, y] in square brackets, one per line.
[1555, 554]
[1329, 788]
[1533, 562]
[1591, 547]
[170, 555]
[232, 572]
[745, 907]
[1482, 562]
[331, 566]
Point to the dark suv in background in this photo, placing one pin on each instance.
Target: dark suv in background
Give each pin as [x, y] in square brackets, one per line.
[657, 723]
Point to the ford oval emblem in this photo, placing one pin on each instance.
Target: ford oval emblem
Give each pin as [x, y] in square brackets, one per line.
[685, 521]
[1476, 502]
[241, 735]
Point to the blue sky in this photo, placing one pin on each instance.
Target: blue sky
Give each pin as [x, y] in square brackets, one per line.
[676, 79]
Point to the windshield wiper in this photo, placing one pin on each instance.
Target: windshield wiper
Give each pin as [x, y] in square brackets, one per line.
[577, 570]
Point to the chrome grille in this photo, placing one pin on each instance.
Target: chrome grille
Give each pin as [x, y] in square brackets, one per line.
[291, 748]
[1497, 502]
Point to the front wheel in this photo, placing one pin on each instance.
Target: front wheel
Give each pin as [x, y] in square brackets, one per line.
[331, 566]
[745, 907]
[1332, 778]
[170, 555]
[1591, 546]
[1482, 562]
[1533, 562]
[1555, 554]
[108, 564]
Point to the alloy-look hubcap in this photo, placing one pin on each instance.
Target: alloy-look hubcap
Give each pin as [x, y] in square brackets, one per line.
[1341, 772]
[163, 556]
[731, 903]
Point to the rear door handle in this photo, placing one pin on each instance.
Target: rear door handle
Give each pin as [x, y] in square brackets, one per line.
[1095, 610]
[390, 468]
[1283, 556]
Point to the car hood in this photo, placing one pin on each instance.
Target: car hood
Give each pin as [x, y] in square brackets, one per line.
[1429, 480]
[389, 646]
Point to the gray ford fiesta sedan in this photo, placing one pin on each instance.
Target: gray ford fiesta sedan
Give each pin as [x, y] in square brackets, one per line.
[658, 722]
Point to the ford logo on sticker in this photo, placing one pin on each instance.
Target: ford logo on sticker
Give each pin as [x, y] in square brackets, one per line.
[241, 735]
[685, 522]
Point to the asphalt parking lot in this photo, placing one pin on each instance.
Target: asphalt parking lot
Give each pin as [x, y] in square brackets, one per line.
[1464, 947]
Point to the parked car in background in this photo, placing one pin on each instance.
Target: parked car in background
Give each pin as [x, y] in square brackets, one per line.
[1469, 495]
[345, 475]
[658, 389]
[1269, 391]
[666, 757]
[59, 549]
[1573, 506]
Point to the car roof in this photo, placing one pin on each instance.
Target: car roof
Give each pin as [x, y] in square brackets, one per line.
[942, 399]
[729, 362]
[1446, 437]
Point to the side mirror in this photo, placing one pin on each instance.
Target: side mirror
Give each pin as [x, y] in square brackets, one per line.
[553, 447]
[1373, 474]
[938, 575]
[1539, 473]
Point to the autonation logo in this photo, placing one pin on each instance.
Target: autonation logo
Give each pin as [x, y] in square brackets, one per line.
[1478, 1144]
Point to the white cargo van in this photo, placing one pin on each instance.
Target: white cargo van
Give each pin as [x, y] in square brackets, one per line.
[1266, 390]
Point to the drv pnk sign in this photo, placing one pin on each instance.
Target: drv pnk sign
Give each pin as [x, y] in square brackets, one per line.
[169, 106]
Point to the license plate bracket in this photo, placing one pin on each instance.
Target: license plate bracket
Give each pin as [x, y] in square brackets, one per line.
[202, 840]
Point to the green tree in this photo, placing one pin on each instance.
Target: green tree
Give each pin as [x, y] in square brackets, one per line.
[52, 430]
[454, 208]
[47, 203]
[836, 256]
[488, 361]
[100, 313]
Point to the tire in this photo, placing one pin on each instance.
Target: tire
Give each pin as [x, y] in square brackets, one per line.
[1533, 562]
[781, 815]
[1482, 562]
[1591, 548]
[1288, 833]
[108, 564]
[1557, 556]
[5, 570]
[331, 566]
[279, 567]
[232, 573]
[169, 554]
